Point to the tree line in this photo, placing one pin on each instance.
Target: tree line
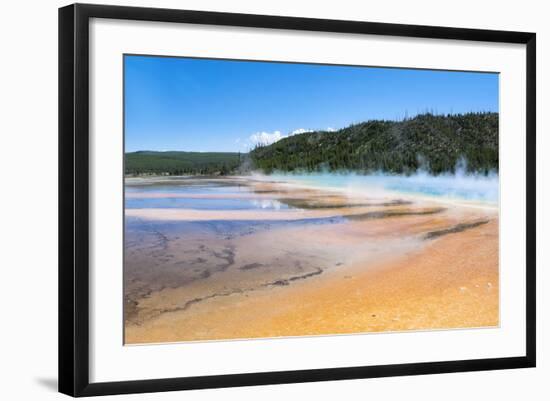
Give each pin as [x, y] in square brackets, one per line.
[436, 143]
[181, 163]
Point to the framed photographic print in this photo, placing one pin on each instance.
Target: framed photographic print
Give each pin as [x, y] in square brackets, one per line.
[250, 199]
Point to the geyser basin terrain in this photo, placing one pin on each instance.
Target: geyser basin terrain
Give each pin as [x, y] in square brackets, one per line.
[256, 256]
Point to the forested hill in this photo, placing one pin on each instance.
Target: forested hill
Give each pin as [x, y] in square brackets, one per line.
[181, 163]
[436, 143]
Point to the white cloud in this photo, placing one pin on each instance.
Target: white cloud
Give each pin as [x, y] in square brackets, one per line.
[300, 131]
[330, 129]
[265, 138]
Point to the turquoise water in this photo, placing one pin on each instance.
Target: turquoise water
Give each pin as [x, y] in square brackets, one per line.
[481, 188]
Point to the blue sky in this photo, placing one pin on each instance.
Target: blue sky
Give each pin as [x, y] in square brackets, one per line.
[217, 105]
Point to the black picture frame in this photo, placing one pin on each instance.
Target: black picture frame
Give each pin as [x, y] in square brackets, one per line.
[74, 192]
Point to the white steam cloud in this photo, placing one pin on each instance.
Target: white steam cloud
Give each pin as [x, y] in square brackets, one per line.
[459, 185]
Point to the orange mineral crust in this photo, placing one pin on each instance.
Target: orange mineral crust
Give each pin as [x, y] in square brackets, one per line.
[331, 264]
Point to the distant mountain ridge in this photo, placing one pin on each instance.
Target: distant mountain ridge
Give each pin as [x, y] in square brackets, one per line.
[436, 143]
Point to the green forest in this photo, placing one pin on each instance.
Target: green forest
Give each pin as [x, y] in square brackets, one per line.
[181, 163]
[436, 143]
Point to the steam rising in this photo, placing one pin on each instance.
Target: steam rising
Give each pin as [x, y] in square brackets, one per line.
[459, 185]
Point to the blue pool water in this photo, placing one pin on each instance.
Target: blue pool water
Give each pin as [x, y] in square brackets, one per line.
[471, 187]
[199, 196]
[205, 204]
